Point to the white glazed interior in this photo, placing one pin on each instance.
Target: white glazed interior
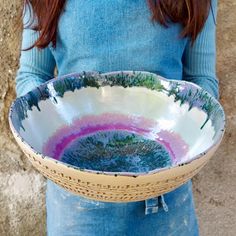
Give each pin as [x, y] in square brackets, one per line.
[139, 101]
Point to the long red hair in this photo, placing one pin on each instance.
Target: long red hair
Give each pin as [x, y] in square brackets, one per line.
[191, 14]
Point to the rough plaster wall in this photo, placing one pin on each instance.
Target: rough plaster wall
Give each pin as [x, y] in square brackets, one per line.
[22, 210]
[215, 188]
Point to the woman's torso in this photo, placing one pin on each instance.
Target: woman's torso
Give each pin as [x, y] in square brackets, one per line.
[116, 35]
[109, 36]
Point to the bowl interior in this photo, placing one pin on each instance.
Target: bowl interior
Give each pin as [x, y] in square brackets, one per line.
[106, 126]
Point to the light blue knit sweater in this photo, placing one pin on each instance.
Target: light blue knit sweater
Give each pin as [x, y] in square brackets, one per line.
[118, 35]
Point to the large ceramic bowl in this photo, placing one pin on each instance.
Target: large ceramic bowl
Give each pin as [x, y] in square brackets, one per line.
[120, 136]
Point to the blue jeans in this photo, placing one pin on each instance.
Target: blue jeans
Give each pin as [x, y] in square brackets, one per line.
[172, 214]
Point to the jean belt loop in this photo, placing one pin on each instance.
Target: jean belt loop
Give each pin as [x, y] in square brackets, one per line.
[151, 205]
[163, 203]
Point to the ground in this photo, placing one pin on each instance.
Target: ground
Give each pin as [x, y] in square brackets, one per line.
[22, 209]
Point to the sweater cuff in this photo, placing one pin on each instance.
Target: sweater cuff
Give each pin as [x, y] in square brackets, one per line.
[27, 87]
[213, 91]
[210, 84]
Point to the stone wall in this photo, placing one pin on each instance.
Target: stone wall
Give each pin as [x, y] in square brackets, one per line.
[22, 209]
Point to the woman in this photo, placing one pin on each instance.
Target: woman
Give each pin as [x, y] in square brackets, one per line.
[175, 39]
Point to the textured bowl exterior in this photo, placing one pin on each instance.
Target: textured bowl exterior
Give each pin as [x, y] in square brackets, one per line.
[109, 188]
[114, 187]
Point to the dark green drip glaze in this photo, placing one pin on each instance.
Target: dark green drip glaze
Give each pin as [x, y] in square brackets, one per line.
[182, 92]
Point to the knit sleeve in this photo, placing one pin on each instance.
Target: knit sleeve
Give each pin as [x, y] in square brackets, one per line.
[36, 66]
[199, 60]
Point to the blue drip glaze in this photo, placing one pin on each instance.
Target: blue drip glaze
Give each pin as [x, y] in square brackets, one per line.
[182, 91]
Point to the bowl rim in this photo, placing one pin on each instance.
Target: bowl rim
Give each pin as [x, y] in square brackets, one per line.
[127, 174]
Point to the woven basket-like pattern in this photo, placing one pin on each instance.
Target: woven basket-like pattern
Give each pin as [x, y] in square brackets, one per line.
[114, 188]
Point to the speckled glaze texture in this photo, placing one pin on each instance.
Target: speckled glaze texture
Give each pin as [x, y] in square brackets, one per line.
[119, 142]
[109, 139]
